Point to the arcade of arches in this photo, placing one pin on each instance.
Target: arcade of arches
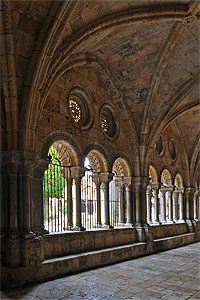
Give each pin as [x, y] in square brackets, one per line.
[100, 141]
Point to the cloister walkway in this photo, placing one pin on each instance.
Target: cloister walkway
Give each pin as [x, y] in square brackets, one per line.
[173, 274]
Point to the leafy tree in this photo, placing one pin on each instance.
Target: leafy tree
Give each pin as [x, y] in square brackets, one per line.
[53, 181]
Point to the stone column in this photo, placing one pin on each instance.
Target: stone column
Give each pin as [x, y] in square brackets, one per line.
[189, 197]
[37, 201]
[23, 174]
[163, 205]
[170, 205]
[155, 187]
[181, 206]
[140, 186]
[175, 205]
[148, 195]
[129, 199]
[198, 205]
[120, 188]
[77, 173]
[69, 202]
[98, 196]
[30, 179]
[12, 192]
[106, 178]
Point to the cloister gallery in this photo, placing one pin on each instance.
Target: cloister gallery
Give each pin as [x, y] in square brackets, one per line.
[100, 141]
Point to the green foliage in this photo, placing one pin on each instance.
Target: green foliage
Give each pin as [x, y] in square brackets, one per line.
[53, 181]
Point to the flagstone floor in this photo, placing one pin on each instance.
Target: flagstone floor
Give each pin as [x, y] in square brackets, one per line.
[169, 275]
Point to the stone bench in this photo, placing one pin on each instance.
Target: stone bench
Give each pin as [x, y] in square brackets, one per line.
[173, 241]
[84, 261]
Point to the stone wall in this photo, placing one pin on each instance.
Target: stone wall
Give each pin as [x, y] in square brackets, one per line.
[64, 254]
[78, 242]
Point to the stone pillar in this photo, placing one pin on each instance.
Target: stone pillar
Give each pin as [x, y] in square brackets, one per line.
[189, 197]
[69, 202]
[30, 178]
[148, 195]
[170, 205]
[98, 196]
[21, 176]
[37, 201]
[106, 178]
[198, 205]
[120, 189]
[140, 186]
[121, 205]
[129, 199]
[155, 187]
[163, 205]
[12, 188]
[175, 205]
[77, 173]
[181, 206]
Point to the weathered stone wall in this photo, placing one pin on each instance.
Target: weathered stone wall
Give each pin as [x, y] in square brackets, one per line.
[56, 119]
[52, 256]
[74, 242]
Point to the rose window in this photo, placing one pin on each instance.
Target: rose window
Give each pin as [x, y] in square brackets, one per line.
[75, 110]
[104, 123]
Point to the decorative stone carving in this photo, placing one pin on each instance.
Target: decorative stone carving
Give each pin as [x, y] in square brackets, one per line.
[141, 96]
[108, 122]
[79, 107]
[189, 19]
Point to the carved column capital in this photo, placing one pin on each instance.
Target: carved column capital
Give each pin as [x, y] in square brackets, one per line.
[128, 181]
[106, 177]
[77, 172]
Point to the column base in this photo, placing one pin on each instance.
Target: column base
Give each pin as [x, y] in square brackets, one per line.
[28, 234]
[150, 222]
[78, 228]
[121, 224]
[40, 230]
[181, 221]
[142, 225]
[175, 221]
[170, 221]
[163, 221]
[106, 226]
[143, 233]
[156, 223]
[129, 225]
[68, 228]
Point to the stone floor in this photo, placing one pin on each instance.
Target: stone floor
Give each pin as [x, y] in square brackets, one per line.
[173, 274]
